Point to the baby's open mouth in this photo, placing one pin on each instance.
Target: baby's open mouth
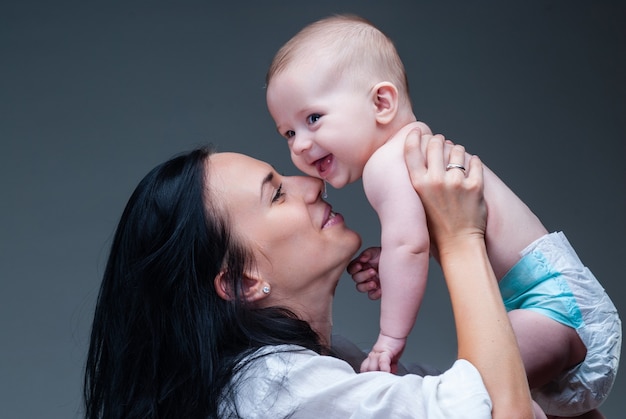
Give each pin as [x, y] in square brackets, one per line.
[323, 164]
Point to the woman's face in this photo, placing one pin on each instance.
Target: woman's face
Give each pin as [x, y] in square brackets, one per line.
[299, 244]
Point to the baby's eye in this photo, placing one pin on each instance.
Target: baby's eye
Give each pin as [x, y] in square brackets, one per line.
[313, 118]
[289, 134]
[279, 193]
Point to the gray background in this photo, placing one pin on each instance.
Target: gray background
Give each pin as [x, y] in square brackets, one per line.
[93, 95]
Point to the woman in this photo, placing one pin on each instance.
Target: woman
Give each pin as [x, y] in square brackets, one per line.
[216, 300]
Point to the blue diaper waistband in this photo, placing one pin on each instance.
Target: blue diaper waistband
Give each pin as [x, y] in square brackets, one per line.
[533, 284]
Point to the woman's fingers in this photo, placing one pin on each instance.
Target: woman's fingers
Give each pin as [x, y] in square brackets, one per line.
[475, 172]
[413, 155]
[423, 155]
[450, 192]
[456, 161]
[435, 158]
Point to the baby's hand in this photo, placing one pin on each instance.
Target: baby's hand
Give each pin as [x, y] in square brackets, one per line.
[364, 271]
[385, 354]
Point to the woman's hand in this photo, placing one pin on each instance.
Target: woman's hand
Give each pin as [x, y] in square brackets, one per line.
[451, 193]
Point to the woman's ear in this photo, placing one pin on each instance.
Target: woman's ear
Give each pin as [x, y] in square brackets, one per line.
[385, 98]
[254, 287]
[222, 287]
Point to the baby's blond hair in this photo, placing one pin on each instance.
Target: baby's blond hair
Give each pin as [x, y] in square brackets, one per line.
[355, 46]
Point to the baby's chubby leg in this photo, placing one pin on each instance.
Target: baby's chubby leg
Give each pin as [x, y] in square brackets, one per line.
[547, 346]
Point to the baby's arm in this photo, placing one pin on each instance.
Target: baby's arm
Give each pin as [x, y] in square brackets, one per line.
[403, 264]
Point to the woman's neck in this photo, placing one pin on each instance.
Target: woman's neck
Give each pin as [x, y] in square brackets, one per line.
[318, 314]
[315, 306]
[323, 326]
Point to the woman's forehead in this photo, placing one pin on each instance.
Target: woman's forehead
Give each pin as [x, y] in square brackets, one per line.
[232, 158]
[237, 173]
[229, 163]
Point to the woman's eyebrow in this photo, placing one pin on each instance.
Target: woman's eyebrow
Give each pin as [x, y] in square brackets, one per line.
[266, 180]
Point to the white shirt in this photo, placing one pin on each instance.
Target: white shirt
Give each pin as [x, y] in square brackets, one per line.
[299, 383]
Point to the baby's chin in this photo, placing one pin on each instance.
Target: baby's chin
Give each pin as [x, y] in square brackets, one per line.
[337, 183]
[333, 181]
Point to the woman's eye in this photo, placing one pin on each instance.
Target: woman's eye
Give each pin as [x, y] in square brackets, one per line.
[289, 134]
[279, 193]
[313, 118]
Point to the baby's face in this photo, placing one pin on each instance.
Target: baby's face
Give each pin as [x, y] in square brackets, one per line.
[329, 122]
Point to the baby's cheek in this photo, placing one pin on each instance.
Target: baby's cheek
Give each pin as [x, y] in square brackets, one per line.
[300, 164]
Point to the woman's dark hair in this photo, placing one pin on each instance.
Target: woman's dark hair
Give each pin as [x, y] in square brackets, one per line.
[163, 343]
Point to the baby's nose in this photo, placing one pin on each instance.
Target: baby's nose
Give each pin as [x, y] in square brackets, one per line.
[301, 143]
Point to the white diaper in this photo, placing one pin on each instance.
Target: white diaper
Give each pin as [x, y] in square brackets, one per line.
[551, 279]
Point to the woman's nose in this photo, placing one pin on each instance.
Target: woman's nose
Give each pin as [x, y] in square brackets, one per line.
[312, 188]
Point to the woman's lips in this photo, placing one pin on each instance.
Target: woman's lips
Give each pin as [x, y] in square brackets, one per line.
[332, 219]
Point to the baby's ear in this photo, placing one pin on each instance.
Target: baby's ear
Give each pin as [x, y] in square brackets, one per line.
[385, 98]
[254, 287]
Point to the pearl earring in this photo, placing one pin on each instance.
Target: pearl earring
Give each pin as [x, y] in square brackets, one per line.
[266, 289]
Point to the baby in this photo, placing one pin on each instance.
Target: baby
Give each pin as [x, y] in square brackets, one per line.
[338, 93]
